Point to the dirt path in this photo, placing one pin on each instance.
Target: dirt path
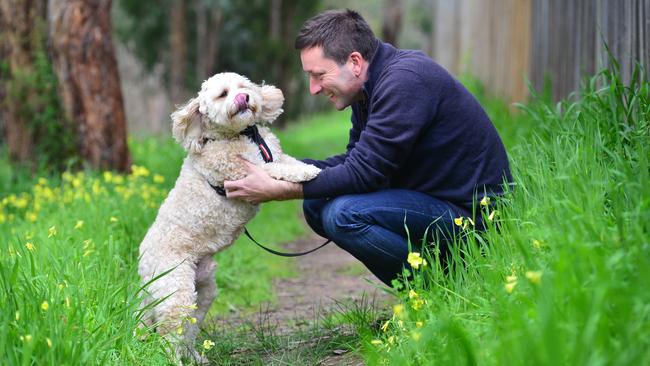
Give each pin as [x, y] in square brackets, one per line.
[326, 279]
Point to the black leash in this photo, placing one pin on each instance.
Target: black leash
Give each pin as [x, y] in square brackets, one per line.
[253, 133]
[283, 254]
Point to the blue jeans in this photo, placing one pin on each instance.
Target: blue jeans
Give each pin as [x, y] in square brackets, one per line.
[373, 226]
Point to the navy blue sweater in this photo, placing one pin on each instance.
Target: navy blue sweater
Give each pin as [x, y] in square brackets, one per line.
[418, 129]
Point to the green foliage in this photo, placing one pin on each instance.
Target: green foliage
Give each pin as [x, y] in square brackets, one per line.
[32, 96]
[245, 43]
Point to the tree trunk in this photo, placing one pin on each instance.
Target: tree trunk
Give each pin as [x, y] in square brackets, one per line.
[392, 22]
[89, 85]
[178, 49]
[19, 21]
[209, 19]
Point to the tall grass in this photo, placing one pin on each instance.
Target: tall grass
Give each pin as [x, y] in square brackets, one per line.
[560, 276]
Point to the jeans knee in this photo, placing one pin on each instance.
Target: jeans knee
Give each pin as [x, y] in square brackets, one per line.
[313, 210]
[340, 217]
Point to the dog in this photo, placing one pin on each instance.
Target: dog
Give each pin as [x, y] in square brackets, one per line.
[196, 220]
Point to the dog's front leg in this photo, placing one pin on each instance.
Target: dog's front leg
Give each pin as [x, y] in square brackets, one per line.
[290, 169]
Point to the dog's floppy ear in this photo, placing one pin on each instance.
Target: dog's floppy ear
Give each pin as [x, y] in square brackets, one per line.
[272, 100]
[187, 127]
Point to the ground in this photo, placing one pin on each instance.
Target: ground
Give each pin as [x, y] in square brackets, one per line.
[330, 281]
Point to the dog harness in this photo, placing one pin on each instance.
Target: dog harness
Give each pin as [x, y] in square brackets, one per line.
[254, 135]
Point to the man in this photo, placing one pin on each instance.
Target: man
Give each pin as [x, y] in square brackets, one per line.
[421, 150]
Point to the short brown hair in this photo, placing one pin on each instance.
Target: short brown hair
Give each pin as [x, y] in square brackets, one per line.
[339, 32]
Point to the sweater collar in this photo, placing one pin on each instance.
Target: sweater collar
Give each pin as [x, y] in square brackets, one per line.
[385, 52]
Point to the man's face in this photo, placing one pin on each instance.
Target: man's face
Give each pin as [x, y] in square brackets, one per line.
[337, 82]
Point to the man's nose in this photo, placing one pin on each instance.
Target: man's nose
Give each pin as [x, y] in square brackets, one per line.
[314, 87]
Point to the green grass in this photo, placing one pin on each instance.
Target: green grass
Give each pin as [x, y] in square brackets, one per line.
[563, 279]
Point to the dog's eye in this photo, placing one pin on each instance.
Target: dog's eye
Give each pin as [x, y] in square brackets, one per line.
[223, 95]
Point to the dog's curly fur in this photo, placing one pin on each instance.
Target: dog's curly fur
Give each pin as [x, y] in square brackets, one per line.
[194, 222]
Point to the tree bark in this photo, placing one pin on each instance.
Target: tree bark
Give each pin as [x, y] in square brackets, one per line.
[89, 85]
[392, 22]
[18, 21]
[209, 19]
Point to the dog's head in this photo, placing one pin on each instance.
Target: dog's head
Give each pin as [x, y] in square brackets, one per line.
[227, 103]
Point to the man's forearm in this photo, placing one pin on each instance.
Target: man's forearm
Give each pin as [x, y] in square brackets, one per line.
[284, 190]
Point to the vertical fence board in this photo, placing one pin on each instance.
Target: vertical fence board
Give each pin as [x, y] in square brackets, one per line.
[504, 42]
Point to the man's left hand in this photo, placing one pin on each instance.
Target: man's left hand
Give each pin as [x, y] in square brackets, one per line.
[258, 186]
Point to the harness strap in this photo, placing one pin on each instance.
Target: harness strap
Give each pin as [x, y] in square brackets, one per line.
[254, 134]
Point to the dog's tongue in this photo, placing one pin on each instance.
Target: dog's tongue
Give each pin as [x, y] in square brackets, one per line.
[241, 101]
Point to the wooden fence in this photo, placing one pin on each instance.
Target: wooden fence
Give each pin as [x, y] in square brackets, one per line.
[506, 42]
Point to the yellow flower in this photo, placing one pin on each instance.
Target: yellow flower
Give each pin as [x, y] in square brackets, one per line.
[417, 304]
[534, 276]
[384, 327]
[108, 176]
[376, 342]
[416, 336]
[45, 306]
[458, 221]
[31, 216]
[208, 344]
[537, 244]
[413, 294]
[157, 178]
[42, 181]
[113, 219]
[179, 331]
[139, 171]
[485, 201]
[51, 232]
[391, 339]
[49, 342]
[192, 320]
[415, 260]
[79, 224]
[510, 286]
[27, 338]
[492, 215]
[511, 278]
[17, 315]
[419, 324]
[398, 309]
[30, 247]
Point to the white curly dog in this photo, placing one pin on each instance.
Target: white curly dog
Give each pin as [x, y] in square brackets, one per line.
[194, 222]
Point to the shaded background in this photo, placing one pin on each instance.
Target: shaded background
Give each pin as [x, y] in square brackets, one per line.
[77, 75]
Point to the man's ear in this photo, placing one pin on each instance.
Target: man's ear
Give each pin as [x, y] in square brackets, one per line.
[187, 127]
[272, 100]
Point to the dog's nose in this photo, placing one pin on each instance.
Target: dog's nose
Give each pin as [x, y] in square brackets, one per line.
[241, 101]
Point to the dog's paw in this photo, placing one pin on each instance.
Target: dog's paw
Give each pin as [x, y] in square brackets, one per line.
[310, 172]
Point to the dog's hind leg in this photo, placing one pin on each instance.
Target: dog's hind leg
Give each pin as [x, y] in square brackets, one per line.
[206, 287]
[174, 292]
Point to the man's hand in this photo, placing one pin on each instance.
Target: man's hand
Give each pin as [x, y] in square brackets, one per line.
[259, 187]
